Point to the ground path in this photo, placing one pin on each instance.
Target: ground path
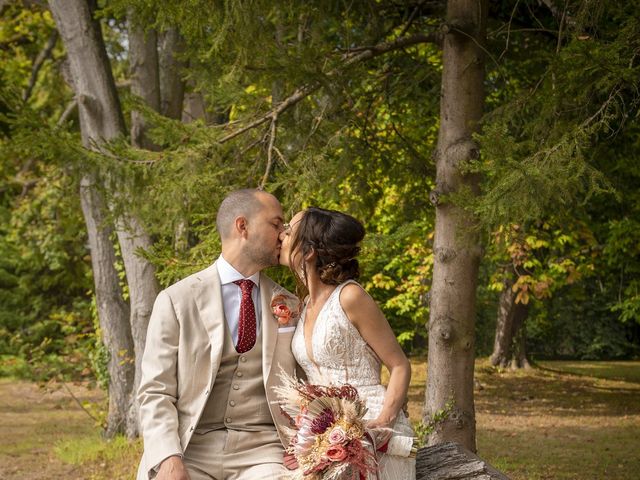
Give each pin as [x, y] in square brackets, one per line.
[32, 420]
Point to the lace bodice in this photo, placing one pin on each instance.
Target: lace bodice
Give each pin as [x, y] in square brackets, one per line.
[338, 353]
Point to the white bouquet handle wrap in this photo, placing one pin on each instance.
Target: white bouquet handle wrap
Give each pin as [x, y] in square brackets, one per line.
[400, 445]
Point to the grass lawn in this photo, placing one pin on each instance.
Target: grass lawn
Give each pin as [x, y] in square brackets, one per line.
[563, 420]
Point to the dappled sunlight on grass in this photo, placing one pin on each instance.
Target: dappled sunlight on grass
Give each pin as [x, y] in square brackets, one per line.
[620, 370]
[567, 420]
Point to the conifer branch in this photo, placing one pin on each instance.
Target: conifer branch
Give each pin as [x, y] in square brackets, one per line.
[351, 58]
[67, 112]
[44, 54]
[79, 402]
[272, 140]
[280, 156]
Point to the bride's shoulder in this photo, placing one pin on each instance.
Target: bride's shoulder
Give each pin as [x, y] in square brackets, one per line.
[352, 295]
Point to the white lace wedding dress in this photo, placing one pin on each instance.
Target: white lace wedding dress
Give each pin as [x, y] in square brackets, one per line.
[340, 355]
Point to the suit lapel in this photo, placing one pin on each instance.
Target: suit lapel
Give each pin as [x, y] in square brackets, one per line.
[208, 296]
[269, 327]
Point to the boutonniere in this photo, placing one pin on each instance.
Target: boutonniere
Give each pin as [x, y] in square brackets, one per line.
[285, 308]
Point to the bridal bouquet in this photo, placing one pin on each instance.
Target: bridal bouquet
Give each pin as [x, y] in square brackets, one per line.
[328, 435]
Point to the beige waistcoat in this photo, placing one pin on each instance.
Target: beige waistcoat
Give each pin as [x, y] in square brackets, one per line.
[237, 400]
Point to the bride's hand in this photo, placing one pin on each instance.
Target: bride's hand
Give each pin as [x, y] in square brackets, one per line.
[381, 431]
[380, 423]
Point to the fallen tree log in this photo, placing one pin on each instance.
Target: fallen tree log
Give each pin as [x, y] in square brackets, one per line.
[451, 461]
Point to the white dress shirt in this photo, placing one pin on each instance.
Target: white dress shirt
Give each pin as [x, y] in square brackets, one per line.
[232, 295]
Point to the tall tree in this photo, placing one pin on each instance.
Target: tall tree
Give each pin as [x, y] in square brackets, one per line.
[141, 279]
[101, 120]
[456, 248]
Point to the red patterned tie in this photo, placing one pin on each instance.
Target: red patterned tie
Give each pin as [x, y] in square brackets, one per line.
[247, 320]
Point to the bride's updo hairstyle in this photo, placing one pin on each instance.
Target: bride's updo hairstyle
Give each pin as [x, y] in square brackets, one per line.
[334, 237]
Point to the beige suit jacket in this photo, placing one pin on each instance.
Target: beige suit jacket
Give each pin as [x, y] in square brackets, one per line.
[182, 356]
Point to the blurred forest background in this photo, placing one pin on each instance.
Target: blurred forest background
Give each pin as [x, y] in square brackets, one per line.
[315, 102]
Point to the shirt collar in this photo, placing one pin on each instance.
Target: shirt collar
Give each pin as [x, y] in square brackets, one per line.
[228, 274]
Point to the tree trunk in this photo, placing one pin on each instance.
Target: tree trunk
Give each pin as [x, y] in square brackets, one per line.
[143, 289]
[101, 121]
[113, 311]
[509, 347]
[194, 108]
[456, 248]
[504, 327]
[172, 93]
[519, 357]
[141, 274]
[171, 82]
[145, 78]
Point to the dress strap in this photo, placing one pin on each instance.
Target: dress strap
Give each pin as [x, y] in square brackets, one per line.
[347, 350]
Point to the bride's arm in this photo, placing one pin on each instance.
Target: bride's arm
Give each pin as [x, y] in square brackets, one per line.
[366, 316]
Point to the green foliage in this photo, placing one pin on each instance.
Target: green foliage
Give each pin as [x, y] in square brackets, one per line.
[554, 147]
[45, 324]
[424, 429]
[622, 245]
[536, 145]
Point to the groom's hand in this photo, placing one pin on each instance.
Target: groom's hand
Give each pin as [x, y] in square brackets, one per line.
[172, 468]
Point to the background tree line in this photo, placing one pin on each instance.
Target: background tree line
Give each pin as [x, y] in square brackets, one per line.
[116, 147]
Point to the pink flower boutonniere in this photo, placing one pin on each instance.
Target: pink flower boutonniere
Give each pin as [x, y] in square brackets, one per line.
[285, 308]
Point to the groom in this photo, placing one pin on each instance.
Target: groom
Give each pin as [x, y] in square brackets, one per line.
[212, 356]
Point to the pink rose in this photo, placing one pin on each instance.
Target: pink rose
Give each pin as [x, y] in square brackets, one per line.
[282, 312]
[337, 436]
[278, 299]
[336, 453]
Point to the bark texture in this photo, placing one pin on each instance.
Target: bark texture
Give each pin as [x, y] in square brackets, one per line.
[143, 289]
[456, 247]
[171, 82]
[100, 120]
[194, 108]
[449, 461]
[145, 78]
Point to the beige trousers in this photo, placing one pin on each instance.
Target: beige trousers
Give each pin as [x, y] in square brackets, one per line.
[234, 455]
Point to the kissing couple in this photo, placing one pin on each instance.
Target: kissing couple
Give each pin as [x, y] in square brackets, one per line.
[215, 352]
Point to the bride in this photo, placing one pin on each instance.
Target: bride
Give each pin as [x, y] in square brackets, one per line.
[342, 336]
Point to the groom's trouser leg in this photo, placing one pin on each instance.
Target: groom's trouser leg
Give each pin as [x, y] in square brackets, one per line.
[234, 455]
[203, 457]
[253, 455]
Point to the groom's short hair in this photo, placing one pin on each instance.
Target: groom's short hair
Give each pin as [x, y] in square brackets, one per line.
[239, 203]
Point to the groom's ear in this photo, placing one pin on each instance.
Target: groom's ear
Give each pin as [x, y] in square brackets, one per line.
[240, 225]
